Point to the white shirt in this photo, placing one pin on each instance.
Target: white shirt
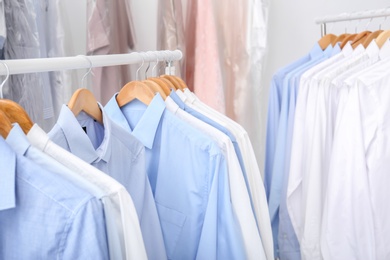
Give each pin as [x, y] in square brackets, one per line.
[239, 194]
[317, 160]
[298, 149]
[358, 172]
[123, 229]
[256, 186]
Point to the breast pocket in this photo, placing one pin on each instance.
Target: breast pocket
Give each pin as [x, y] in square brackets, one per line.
[172, 222]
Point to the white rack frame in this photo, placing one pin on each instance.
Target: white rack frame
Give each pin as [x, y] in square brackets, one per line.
[22, 66]
[350, 17]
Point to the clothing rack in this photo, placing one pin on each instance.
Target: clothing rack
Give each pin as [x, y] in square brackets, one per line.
[23, 66]
[350, 17]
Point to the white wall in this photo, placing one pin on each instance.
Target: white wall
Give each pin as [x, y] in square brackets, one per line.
[292, 33]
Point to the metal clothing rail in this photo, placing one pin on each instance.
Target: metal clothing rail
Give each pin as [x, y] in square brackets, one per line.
[350, 17]
[23, 66]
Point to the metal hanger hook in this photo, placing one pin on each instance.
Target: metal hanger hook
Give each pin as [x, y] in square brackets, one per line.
[369, 22]
[147, 54]
[154, 74]
[5, 80]
[143, 62]
[88, 72]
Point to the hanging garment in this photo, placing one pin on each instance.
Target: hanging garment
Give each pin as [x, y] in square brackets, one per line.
[367, 182]
[22, 42]
[205, 67]
[241, 202]
[170, 32]
[283, 232]
[3, 30]
[122, 224]
[115, 152]
[181, 163]
[33, 31]
[254, 181]
[109, 32]
[74, 219]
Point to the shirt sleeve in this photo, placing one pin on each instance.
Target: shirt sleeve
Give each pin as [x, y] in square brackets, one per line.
[220, 237]
[85, 237]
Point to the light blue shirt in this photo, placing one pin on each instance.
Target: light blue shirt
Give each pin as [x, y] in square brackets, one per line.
[287, 240]
[214, 124]
[274, 107]
[275, 181]
[118, 154]
[44, 216]
[189, 179]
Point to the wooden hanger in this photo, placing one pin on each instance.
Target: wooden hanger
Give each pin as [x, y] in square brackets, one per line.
[340, 38]
[182, 83]
[382, 38]
[326, 40]
[16, 114]
[360, 38]
[163, 84]
[83, 100]
[5, 125]
[169, 84]
[371, 37]
[155, 87]
[175, 81]
[134, 90]
[347, 39]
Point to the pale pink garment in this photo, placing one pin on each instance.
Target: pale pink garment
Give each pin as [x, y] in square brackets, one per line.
[109, 32]
[170, 31]
[207, 77]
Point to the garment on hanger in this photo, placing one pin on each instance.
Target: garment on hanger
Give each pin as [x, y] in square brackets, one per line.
[122, 224]
[254, 181]
[110, 149]
[177, 184]
[32, 195]
[34, 23]
[314, 106]
[109, 32]
[241, 202]
[204, 73]
[170, 31]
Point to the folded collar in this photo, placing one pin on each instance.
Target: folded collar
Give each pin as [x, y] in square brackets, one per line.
[18, 140]
[146, 128]
[79, 142]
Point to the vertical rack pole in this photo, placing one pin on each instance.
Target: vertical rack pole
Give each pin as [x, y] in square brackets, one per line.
[323, 29]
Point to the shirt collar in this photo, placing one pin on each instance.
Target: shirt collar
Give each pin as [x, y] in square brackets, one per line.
[182, 96]
[78, 140]
[177, 99]
[18, 140]
[38, 137]
[190, 96]
[336, 49]
[147, 126]
[327, 51]
[372, 49]
[347, 50]
[171, 105]
[316, 51]
[385, 50]
[7, 178]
